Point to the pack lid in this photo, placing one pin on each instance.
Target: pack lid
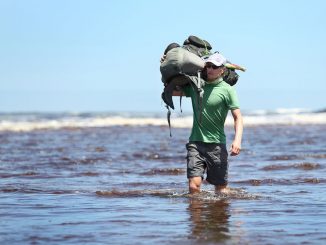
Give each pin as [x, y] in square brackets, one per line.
[198, 42]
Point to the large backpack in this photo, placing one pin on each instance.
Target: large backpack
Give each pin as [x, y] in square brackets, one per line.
[179, 61]
[183, 66]
[187, 60]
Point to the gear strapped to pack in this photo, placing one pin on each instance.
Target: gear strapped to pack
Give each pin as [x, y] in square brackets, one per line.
[197, 46]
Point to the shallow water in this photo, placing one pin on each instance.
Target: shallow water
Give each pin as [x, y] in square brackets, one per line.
[127, 185]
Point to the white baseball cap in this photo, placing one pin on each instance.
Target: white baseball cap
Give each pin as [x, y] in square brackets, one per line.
[217, 59]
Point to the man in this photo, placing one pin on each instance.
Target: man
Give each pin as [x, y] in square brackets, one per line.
[206, 150]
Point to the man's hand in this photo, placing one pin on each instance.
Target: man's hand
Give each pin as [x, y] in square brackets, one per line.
[238, 128]
[163, 58]
[235, 148]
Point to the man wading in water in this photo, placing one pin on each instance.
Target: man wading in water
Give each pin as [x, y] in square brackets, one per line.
[206, 150]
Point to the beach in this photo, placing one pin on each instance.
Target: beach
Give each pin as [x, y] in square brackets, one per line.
[103, 178]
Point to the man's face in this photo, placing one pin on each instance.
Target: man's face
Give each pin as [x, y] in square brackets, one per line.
[213, 72]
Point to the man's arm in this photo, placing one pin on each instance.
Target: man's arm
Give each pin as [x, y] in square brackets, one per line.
[238, 128]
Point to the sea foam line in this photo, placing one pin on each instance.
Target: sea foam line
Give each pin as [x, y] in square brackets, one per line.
[176, 121]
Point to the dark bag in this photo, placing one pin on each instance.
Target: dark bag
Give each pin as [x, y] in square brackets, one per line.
[197, 46]
[231, 77]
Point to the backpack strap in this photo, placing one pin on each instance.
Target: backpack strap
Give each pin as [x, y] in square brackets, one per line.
[200, 98]
[197, 84]
[168, 116]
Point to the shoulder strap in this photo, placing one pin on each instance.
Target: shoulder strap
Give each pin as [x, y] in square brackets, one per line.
[168, 115]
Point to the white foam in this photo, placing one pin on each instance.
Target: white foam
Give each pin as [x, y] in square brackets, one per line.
[177, 121]
[286, 119]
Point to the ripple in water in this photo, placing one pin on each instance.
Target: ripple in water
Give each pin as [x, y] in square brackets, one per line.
[295, 181]
[166, 171]
[303, 166]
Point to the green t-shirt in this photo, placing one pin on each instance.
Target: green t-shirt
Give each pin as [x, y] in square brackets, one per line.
[219, 97]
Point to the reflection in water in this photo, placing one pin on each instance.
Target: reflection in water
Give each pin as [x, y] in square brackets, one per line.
[210, 220]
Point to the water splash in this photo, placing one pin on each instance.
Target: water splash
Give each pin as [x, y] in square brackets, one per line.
[205, 195]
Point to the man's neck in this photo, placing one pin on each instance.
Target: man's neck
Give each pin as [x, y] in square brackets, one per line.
[216, 81]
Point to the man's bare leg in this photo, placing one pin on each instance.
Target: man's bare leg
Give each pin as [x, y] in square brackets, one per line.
[194, 184]
[221, 188]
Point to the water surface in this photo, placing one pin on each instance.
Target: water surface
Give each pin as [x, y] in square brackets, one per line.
[127, 184]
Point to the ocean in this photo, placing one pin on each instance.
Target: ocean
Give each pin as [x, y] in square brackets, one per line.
[119, 178]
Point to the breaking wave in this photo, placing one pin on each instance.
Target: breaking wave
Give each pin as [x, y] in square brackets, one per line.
[41, 121]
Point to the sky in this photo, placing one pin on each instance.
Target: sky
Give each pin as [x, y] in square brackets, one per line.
[78, 55]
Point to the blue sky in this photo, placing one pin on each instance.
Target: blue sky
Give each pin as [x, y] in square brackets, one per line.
[74, 55]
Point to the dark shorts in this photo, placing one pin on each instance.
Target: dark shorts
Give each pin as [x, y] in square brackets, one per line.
[211, 158]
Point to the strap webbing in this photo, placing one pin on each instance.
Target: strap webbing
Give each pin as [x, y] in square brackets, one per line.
[200, 99]
[168, 115]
